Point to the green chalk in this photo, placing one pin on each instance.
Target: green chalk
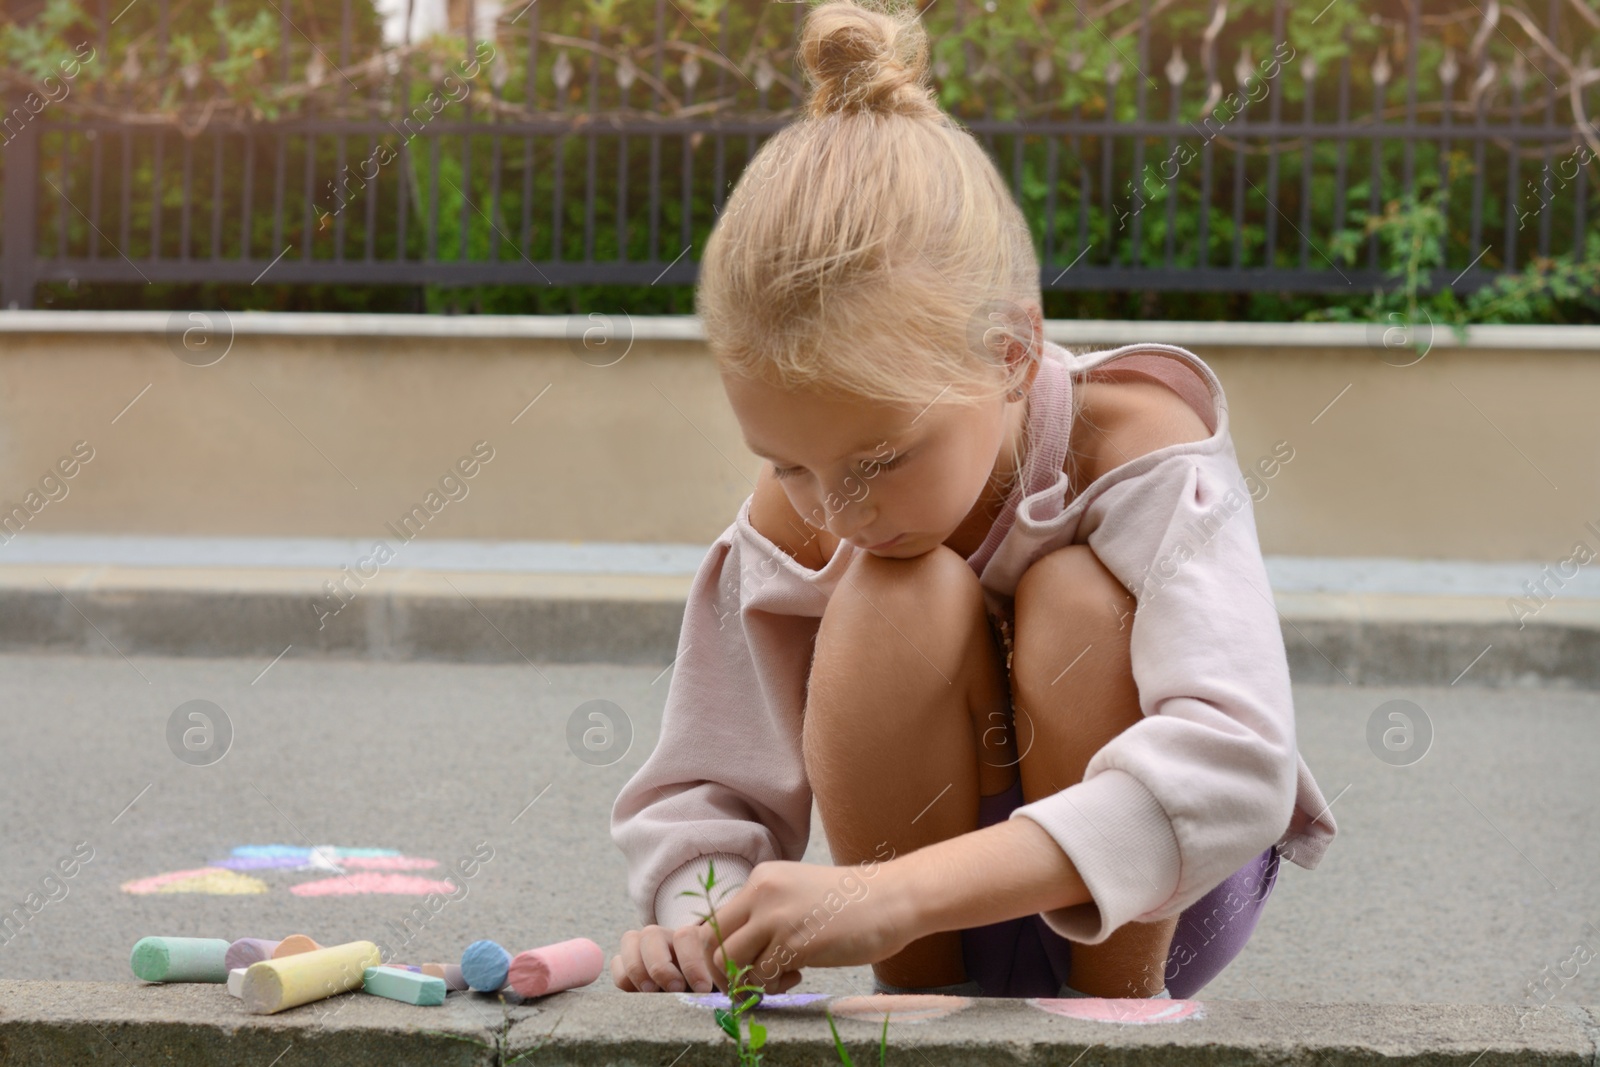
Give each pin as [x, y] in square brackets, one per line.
[180, 959]
[408, 986]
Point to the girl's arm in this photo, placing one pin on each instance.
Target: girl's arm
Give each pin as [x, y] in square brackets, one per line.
[726, 779]
[987, 876]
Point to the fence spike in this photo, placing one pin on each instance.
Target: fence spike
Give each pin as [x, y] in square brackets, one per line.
[1518, 74]
[1043, 68]
[1176, 69]
[1381, 71]
[1448, 69]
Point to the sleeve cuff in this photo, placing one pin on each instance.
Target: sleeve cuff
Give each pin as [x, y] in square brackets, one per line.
[673, 911]
[1121, 841]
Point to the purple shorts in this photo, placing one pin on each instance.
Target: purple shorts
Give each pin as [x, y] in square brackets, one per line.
[1023, 957]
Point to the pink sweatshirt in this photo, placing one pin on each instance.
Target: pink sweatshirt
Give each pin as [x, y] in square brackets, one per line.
[1209, 778]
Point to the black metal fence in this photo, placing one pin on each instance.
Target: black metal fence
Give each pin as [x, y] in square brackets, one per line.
[543, 156]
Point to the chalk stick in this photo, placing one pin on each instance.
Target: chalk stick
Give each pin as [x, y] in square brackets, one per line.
[236, 982]
[293, 945]
[180, 959]
[564, 965]
[450, 972]
[411, 987]
[484, 965]
[403, 967]
[289, 981]
[248, 950]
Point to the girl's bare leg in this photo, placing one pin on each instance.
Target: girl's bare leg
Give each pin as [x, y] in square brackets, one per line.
[1074, 689]
[900, 733]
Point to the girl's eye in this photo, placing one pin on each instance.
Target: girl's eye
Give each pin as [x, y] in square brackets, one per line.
[882, 465]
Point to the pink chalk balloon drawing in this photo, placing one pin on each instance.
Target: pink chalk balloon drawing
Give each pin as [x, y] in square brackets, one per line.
[900, 1007]
[373, 882]
[341, 872]
[1131, 1010]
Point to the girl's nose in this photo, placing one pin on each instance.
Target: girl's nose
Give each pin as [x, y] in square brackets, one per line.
[848, 524]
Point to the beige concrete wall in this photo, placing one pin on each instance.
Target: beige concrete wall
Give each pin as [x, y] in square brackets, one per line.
[1476, 454]
[1471, 453]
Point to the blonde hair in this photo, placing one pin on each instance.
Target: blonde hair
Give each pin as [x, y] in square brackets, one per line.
[870, 248]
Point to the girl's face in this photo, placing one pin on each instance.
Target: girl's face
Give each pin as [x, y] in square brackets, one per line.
[869, 472]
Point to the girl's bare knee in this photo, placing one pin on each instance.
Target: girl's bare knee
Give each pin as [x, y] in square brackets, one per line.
[908, 634]
[876, 590]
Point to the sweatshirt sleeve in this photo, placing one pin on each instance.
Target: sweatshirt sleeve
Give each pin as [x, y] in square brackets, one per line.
[726, 780]
[1206, 780]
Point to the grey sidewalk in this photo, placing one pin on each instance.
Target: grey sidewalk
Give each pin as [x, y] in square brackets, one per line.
[1344, 620]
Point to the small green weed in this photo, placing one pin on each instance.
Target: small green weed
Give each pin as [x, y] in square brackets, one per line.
[731, 1021]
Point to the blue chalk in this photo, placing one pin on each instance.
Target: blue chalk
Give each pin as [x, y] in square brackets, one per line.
[484, 966]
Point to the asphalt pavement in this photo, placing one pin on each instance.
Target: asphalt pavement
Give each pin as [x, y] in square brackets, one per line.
[1461, 876]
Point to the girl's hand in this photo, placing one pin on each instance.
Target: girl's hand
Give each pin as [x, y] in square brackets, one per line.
[658, 958]
[791, 915]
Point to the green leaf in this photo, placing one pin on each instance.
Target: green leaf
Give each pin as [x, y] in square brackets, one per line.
[839, 1045]
[758, 1035]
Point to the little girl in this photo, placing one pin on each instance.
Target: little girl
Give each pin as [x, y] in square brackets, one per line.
[998, 609]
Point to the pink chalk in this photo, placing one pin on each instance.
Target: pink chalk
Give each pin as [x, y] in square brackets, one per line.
[248, 950]
[564, 965]
[450, 972]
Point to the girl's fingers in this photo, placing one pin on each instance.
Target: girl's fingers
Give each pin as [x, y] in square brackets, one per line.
[746, 948]
[660, 969]
[627, 968]
[689, 944]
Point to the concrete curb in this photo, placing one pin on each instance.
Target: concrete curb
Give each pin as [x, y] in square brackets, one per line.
[88, 1022]
[488, 617]
[1344, 620]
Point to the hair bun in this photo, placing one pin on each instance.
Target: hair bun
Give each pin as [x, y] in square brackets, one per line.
[860, 60]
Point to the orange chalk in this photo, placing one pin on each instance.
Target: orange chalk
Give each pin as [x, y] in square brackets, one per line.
[450, 972]
[553, 968]
[293, 945]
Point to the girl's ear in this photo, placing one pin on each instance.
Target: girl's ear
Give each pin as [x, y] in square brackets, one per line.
[1030, 349]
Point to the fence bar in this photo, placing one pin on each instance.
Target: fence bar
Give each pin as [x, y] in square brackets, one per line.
[1546, 193]
[1271, 256]
[1513, 173]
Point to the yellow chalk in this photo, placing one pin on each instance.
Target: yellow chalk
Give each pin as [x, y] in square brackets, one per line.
[289, 981]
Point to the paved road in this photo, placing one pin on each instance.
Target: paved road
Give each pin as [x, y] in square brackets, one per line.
[1456, 878]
